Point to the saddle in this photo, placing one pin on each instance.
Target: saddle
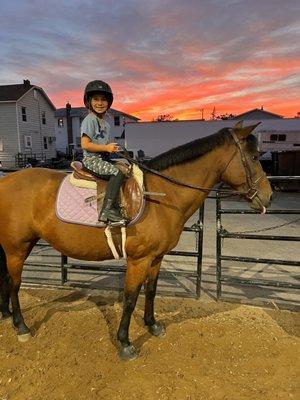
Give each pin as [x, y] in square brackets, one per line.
[131, 193]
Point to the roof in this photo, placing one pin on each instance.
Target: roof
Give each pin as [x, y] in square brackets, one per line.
[117, 112]
[82, 112]
[12, 93]
[257, 110]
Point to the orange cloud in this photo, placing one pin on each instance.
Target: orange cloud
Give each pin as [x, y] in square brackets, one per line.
[174, 60]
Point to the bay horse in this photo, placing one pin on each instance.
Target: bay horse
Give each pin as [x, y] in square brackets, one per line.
[27, 214]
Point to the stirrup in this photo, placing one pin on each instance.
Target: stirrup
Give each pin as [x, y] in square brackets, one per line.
[105, 219]
[107, 222]
[122, 222]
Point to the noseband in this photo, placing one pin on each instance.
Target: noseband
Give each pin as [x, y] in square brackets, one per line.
[253, 190]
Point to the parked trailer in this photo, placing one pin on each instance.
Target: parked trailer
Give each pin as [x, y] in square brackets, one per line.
[153, 138]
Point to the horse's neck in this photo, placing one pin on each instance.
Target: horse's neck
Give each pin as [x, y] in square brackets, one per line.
[203, 172]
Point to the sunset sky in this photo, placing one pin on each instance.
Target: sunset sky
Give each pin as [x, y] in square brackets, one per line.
[160, 57]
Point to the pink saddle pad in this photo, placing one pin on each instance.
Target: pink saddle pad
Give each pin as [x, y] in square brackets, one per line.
[71, 206]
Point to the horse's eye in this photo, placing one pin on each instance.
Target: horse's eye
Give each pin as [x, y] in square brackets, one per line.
[254, 158]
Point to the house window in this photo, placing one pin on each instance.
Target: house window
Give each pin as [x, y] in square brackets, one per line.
[279, 138]
[45, 142]
[117, 120]
[60, 122]
[24, 116]
[51, 139]
[282, 138]
[28, 142]
[35, 94]
[43, 118]
[1, 145]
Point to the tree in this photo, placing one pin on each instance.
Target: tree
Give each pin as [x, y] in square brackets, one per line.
[215, 117]
[226, 116]
[163, 118]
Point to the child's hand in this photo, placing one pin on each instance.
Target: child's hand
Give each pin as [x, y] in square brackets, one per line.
[112, 147]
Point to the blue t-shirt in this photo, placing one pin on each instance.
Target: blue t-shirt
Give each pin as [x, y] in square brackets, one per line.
[98, 130]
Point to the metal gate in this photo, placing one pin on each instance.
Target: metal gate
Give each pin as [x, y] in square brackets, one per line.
[223, 234]
[64, 265]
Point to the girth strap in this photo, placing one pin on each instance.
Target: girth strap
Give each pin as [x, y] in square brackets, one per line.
[111, 243]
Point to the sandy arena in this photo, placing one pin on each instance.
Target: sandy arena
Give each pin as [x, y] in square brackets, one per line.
[212, 351]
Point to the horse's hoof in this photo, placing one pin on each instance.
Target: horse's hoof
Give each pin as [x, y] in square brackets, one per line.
[157, 329]
[128, 353]
[24, 337]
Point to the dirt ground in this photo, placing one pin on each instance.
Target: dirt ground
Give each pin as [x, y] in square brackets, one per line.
[211, 351]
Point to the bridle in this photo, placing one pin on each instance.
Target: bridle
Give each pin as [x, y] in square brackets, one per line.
[249, 194]
[252, 189]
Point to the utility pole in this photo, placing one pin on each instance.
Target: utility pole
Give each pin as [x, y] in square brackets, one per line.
[69, 129]
[202, 113]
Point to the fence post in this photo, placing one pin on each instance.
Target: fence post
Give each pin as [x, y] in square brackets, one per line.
[64, 270]
[218, 246]
[199, 245]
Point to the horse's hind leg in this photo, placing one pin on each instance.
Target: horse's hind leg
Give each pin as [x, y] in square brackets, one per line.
[4, 286]
[15, 266]
[155, 328]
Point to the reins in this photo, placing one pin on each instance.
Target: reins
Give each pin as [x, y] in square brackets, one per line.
[161, 175]
[176, 181]
[126, 155]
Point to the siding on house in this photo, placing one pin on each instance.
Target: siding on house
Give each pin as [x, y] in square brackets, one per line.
[35, 105]
[77, 115]
[15, 132]
[8, 134]
[61, 132]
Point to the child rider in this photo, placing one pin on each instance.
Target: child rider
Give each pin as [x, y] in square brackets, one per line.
[96, 145]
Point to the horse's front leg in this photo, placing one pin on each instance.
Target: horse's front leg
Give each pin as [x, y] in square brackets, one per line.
[15, 266]
[4, 286]
[155, 328]
[136, 273]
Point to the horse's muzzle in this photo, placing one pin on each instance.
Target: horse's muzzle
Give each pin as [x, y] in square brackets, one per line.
[261, 203]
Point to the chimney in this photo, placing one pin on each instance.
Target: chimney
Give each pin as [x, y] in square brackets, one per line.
[26, 82]
[69, 123]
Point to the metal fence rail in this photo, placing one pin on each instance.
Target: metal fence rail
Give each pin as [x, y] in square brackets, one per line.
[224, 234]
[66, 266]
[62, 266]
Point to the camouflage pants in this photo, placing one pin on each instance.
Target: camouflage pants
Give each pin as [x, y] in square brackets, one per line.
[99, 166]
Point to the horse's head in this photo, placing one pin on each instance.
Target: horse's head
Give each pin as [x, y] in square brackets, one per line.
[243, 171]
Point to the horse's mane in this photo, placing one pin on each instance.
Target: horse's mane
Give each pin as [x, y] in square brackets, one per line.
[189, 151]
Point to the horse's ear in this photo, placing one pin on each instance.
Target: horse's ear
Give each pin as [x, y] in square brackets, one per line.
[238, 125]
[244, 132]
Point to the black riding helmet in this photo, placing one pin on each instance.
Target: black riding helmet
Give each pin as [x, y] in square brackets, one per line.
[97, 87]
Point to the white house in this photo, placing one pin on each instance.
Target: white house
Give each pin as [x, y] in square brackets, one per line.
[26, 124]
[68, 122]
